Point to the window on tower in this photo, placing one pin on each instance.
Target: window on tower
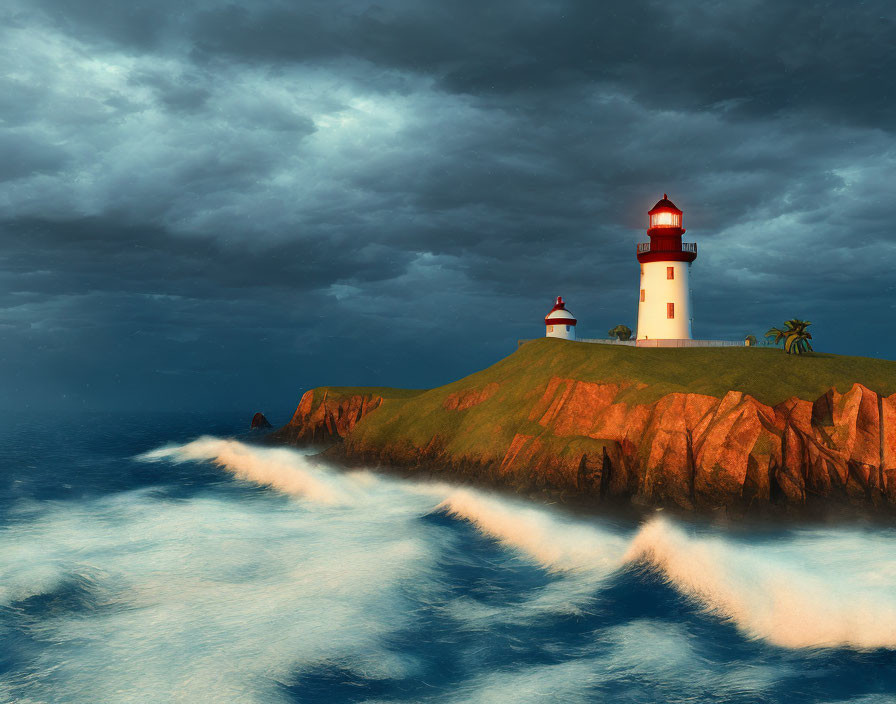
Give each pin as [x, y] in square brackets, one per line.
[567, 328]
[670, 310]
[643, 296]
[550, 328]
[664, 218]
[670, 272]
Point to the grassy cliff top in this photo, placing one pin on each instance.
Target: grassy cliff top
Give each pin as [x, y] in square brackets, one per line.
[765, 373]
[648, 374]
[336, 393]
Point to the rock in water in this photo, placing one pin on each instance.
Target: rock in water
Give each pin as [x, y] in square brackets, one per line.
[259, 422]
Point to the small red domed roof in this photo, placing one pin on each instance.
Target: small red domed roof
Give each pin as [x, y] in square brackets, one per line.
[662, 204]
[558, 315]
[559, 305]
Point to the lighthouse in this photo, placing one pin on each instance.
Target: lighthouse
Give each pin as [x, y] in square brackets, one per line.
[664, 308]
[559, 322]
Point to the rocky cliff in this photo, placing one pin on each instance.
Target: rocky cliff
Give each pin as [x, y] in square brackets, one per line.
[323, 420]
[602, 440]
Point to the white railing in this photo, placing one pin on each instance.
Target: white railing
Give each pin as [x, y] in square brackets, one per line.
[691, 343]
[607, 341]
[644, 247]
[656, 343]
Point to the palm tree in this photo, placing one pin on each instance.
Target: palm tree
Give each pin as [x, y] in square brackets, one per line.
[794, 334]
[750, 340]
[776, 333]
[796, 338]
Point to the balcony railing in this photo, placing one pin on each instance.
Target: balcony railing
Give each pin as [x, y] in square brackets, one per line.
[644, 247]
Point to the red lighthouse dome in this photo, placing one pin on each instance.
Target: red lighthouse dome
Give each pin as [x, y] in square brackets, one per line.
[665, 231]
[559, 314]
[664, 214]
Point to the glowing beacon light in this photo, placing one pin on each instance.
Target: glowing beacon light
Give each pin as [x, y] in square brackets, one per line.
[664, 305]
[665, 214]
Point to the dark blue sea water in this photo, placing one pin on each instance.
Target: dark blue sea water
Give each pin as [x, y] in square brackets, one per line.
[141, 562]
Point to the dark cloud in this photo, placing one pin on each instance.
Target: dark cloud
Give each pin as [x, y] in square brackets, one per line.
[743, 58]
[24, 156]
[176, 93]
[223, 204]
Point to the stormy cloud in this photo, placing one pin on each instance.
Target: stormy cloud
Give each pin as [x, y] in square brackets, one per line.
[225, 204]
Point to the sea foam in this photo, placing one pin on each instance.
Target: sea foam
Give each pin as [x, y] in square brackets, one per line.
[279, 468]
[788, 593]
[547, 538]
[242, 596]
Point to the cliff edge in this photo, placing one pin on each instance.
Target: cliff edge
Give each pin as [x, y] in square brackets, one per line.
[699, 429]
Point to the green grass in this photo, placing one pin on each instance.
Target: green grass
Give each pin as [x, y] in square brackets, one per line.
[337, 393]
[767, 374]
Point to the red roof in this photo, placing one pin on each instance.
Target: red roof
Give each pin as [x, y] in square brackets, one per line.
[559, 305]
[663, 204]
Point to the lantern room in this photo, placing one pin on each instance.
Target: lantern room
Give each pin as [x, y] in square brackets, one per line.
[664, 214]
[665, 233]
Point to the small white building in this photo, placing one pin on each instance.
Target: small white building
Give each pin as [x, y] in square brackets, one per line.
[559, 322]
[664, 305]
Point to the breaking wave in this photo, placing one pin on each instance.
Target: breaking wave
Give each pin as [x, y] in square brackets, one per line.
[254, 594]
[791, 594]
[279, 468]
[553, 543]
[800, 594]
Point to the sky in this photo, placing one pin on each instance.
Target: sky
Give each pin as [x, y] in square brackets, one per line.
[220, 205]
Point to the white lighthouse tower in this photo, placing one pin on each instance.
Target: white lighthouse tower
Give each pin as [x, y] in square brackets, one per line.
[664, 308]
[559, 322]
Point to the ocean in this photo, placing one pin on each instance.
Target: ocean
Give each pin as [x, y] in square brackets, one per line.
[167, 558]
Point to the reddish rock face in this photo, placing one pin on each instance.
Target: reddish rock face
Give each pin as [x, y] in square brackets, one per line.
[688, 450]
[467, 399]
[328, 420]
